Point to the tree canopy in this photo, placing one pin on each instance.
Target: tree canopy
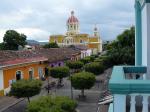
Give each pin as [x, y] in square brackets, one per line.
[26, 88]
[74, 64]
[122, 50]
[51, 45]
[83, 80]
[94, 67]
[12, 40]
[59, 72]
[51, 104]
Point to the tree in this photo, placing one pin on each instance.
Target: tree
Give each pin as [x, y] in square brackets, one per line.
[50, 104]
[122, 50]
[86, 60]
[12, 40]
[94, 67]
[26, 88]
[82, 81]
[74, 65]
[59, 72]
[51, 45]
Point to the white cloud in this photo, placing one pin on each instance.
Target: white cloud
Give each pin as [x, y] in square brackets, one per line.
[37, 19]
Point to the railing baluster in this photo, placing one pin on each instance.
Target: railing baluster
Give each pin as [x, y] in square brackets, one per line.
[145, 103]
[133, 103]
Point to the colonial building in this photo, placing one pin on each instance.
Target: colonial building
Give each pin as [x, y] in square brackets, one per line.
[74, 37]
[31, 64]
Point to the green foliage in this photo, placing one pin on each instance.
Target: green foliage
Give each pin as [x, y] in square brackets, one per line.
[105, 61]
[95, 68]
[59, 72]
[83, 80]
[49, 104]
[74, 64]
[51, 45]
[86, 60]
[12, 40]
[26, 88]
[2, 46]
[122, 50]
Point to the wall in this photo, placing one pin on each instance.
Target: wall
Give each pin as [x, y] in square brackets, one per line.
[10, 73]
[146, 37]
[1, 80]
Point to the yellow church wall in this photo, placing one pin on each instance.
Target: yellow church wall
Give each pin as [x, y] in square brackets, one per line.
[93, 39]
[10, 73]
[58, 38]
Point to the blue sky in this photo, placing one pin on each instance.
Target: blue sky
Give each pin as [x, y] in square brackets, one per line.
[40, 18]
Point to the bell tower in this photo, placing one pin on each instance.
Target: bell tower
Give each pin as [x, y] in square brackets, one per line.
[72, 25]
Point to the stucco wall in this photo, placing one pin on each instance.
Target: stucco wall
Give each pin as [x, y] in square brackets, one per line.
[10, 73]
[1, 80]
[146, 37]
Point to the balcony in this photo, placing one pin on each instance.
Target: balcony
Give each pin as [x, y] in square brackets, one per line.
[130, 89]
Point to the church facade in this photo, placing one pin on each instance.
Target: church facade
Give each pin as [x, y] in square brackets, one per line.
[74, 37]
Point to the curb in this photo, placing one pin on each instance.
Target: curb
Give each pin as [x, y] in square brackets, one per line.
[14, 103]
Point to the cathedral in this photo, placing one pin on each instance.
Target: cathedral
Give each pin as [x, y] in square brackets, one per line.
[74, 37]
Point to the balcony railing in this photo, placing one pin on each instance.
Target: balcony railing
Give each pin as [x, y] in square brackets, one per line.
[130, 88]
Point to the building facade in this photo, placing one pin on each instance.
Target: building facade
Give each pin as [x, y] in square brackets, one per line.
[74, 37]
[31, 64]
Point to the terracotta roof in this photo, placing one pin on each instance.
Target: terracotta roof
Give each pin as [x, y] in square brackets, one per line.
[18, 57]
[72, 19]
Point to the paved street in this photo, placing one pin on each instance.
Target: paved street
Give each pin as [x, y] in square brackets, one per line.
[88, 105]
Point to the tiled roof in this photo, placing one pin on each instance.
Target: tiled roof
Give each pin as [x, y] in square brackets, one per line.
[17, 57]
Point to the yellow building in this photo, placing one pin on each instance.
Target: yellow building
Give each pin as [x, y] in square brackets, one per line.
[74, 37]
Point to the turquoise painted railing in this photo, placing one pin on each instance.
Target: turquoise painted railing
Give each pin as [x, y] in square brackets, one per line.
[111, 108]
[118, 84]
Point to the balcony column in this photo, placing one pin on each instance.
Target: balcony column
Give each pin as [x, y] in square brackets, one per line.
[145, 103]
[119, 101]
[132, 103]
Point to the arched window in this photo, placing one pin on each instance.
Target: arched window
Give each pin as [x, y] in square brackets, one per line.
[19, 75]
[31, 73]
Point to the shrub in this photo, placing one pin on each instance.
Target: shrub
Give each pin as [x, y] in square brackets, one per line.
[82, 81]
[95, 68]
[59, 72]
[74, 64]
[49, 104]
[26, 88]
[86, 60]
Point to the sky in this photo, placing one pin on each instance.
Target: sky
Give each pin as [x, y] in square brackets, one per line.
[38, 19]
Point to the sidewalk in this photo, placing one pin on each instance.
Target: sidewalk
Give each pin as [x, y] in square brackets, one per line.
[6, 102]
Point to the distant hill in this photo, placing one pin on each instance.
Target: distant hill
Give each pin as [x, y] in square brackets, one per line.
[43, 43]
[32, 42]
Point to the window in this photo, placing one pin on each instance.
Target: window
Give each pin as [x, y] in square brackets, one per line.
[59, 64]
[31, 73]
[18, 75]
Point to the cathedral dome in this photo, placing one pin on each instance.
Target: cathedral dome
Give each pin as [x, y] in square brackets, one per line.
[72, 19]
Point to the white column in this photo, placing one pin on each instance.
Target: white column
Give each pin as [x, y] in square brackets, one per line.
[119, 103]
[145, 103]
[145, 38]
[132, 103]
